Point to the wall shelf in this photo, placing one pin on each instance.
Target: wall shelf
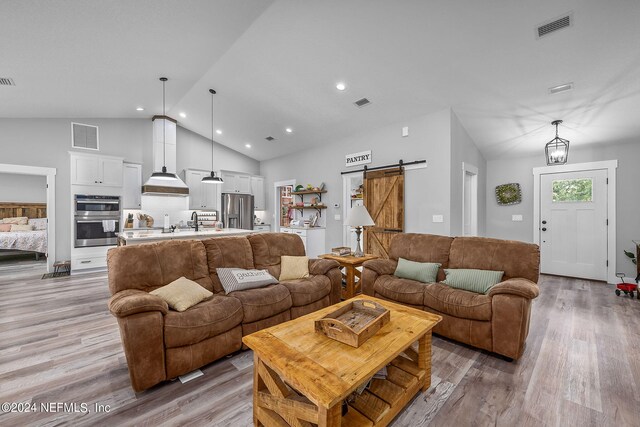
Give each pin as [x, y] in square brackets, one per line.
[319, 208]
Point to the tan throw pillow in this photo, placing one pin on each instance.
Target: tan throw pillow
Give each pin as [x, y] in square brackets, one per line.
[294, 267]
[16, 227]
[5, 227]
[20, 220]
[182, 293]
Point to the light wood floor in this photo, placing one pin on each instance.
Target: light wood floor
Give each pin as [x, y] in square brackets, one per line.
[58, 343]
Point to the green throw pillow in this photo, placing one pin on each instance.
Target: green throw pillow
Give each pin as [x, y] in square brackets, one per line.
[478, 281]
[426, 272]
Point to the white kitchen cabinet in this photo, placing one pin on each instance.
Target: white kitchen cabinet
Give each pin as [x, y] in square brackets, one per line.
[201, 194]
[131, 186]
[89, 169]
[257, 189]
[235, 182]
[312, 238]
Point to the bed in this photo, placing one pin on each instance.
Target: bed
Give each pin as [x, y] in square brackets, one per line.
[25, 241]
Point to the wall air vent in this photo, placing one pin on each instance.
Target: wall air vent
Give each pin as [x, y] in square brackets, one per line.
[84, 136]
[362, 102]
[270, 138]
[7, 81]
[554, 25]
[560, 88]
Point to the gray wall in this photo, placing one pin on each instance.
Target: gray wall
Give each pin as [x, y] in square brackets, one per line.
[464, 150]
[23, 188]
[502, 171]
[427, 191]
[47, 142]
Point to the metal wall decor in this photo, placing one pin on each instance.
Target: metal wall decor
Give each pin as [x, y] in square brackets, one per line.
[508, 194]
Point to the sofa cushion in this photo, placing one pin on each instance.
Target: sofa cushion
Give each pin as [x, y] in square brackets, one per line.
[400, 290]
[425, 272]
[227, 252]
[258, 304]
[516, 259]
[269, 247]
[309, 290]
[472, 280]
[422, 248]
[294, 267]
[456, 302]
[205, 320]
[182, 294]
[239, 279]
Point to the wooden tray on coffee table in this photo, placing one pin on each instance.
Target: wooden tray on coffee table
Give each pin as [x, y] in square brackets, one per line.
[354, 323]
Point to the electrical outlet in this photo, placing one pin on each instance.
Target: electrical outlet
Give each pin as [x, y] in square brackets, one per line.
[405, 131]
[516, 218]
[337, 217]
[438, 218]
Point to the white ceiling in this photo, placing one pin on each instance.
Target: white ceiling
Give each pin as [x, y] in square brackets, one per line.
[275, 65]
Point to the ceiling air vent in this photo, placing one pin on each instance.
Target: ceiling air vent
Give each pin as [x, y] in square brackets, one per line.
[270, 138]
[554, 25]
[362, 102]
[6, 81]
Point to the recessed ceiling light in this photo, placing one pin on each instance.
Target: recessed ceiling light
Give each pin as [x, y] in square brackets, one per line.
[561, 88]
[140, 109]
[218, 131]
[341, 86]
[247, 145]
[288, 130]
[183, 115]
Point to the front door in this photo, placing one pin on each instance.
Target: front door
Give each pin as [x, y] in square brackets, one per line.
[384, 199]
[573, 224]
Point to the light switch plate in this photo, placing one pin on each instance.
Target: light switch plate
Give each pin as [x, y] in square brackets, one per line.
[336, 217]
[438, 218]
[516, 218]
[405, 131]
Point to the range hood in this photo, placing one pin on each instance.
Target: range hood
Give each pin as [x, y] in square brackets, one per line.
[164, 154]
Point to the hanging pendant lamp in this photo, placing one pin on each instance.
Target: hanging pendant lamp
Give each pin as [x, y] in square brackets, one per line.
[212, 179]
[164, 174]
[557, 150]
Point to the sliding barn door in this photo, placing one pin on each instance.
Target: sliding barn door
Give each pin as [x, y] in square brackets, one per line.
[384, 199]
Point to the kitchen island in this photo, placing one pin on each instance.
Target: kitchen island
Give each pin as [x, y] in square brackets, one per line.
[147, 236]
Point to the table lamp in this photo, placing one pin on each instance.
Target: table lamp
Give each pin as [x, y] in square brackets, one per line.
[359, 217]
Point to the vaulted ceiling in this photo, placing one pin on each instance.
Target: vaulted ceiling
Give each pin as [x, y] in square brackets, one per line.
[275, 65]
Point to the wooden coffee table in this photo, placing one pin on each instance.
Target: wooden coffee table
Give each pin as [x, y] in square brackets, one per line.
[301, 376]
[350, 264]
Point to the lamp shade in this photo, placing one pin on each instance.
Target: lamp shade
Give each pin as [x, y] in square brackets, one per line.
[359, 217]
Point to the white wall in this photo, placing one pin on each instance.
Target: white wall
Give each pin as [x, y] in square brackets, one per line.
[23, 188]
[464, 150]
[427, 191]
[502, 171]
[47, 142]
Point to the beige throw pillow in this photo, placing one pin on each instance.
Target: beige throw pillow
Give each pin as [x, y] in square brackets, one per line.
[20, 220]
[182, 293]
[294, 267]
[16, 227]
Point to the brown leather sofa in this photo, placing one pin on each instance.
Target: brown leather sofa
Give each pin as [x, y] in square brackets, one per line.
[498, 321]
[161, 344]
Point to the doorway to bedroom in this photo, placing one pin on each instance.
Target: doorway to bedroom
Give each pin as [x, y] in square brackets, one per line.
[27, 215]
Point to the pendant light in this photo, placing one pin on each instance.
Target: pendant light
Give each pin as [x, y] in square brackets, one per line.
[557, 150]
[164, 174]
[212, 179]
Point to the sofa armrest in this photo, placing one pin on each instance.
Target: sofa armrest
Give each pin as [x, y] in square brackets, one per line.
[520, 287]
[381, 266]
[133, 301]
[321, 266]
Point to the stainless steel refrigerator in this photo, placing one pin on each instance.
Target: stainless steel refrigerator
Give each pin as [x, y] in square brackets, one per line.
[237, 211]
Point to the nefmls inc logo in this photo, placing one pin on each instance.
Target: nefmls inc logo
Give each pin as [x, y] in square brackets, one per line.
[355, 159]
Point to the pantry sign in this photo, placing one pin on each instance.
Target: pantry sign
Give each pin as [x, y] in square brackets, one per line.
[356, 159]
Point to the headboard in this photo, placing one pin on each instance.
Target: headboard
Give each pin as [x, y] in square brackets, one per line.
[31, 210]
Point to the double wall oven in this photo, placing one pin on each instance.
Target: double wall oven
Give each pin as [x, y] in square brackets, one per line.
[97, 220]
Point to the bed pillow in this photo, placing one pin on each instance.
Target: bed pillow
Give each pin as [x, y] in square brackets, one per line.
[239, 279]
[20, 220]
[294, 267]
[478, 281]
[38, 223]
[5, 228]
[182, 293]
[17, 227]
[425, 272]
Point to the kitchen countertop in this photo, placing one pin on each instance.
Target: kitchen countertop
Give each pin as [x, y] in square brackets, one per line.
[131, 237]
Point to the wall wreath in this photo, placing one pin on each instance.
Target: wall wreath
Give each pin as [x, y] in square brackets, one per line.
[508, 194]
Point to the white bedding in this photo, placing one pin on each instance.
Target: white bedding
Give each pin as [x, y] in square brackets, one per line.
[34, 241]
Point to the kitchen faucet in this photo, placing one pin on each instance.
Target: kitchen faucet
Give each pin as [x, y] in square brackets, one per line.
[194, 213]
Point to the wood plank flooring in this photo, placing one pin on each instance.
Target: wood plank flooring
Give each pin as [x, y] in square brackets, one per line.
[59, 344]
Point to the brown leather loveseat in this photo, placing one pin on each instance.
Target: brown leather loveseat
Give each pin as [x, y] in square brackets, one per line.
[498, 321]
[161, 344]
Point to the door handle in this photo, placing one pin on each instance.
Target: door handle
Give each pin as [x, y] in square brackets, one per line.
[544, 228]
[544, 221]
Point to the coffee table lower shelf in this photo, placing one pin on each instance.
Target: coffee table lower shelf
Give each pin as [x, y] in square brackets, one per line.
[278, 404]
